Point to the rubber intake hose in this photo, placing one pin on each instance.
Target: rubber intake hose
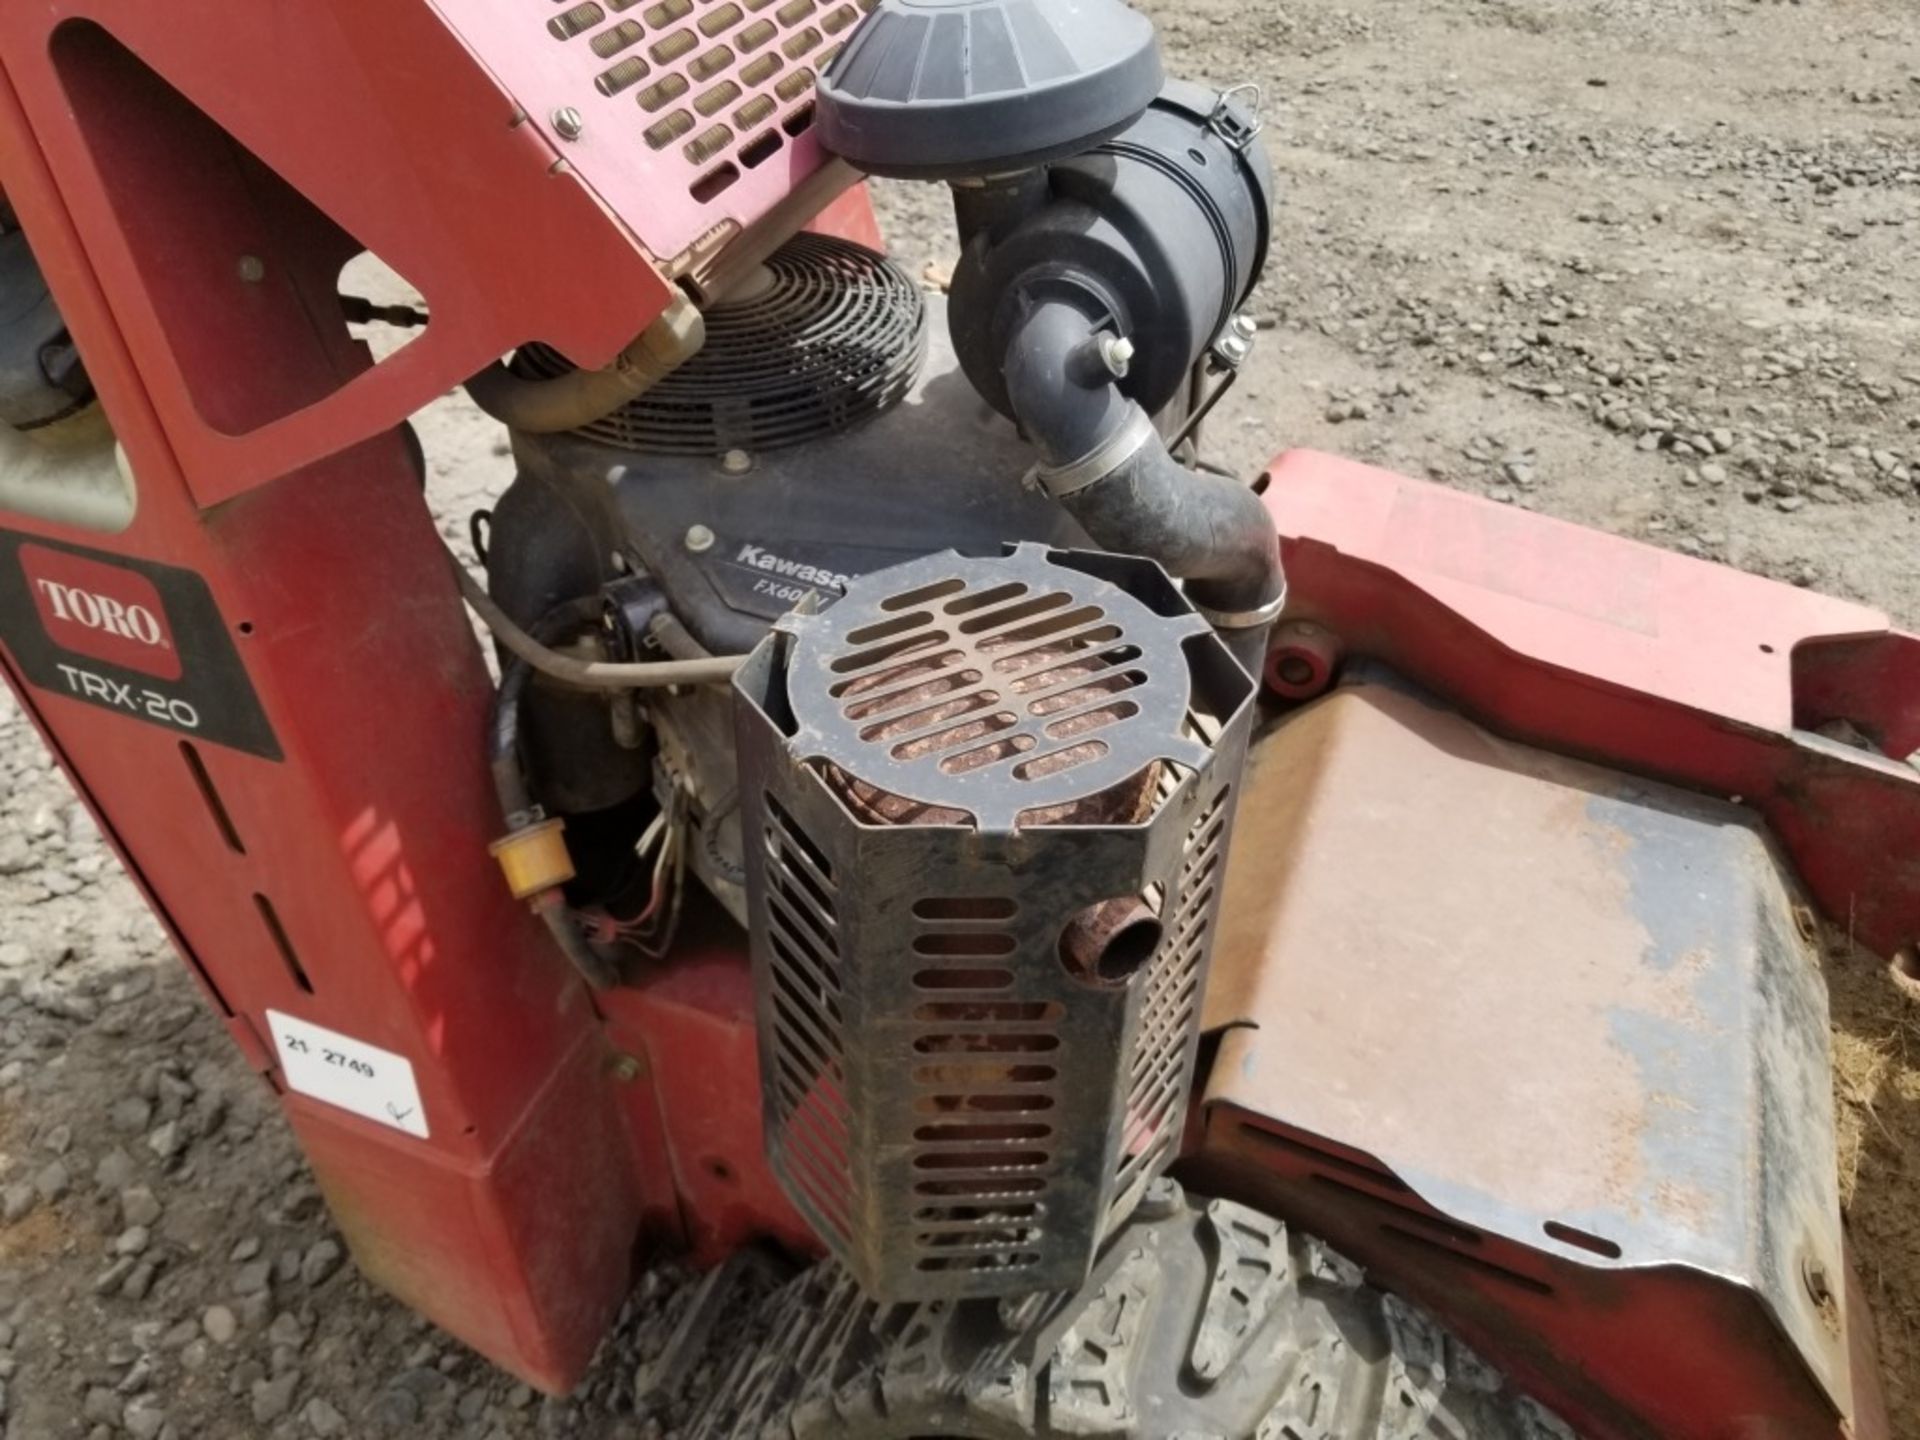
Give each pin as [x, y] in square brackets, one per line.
[580, 397]
[1108, 467]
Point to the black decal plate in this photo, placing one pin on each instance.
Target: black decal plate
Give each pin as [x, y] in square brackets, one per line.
[143, 640]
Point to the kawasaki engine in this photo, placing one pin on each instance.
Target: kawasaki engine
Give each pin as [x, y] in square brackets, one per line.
[971, 791]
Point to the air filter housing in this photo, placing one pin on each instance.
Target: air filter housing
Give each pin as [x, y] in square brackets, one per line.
[987, 803]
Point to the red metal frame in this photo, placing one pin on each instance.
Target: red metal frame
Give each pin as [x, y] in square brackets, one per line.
[269, 463]
[1637, 657]
[194, 248]
[186, 137]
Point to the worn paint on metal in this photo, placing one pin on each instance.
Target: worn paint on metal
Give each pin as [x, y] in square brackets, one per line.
[1651, 661]
[1544, 1018]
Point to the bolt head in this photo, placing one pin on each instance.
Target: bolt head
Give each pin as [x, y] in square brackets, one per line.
[699, 539]
[1117, 352]
[568, 123]
[736, 462]
[1818, 1282]
[252, 269]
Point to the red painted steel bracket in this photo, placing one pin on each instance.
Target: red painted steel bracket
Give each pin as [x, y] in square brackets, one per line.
[224, 161]
[193, 178]
[1632, 656]
[1544, 1045]
[333, 874]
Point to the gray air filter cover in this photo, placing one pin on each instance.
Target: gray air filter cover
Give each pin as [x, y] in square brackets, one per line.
[954, 89]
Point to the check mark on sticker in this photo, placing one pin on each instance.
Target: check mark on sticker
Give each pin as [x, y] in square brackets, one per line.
[372, 1083]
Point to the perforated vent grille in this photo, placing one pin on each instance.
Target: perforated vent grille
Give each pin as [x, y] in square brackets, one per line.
[837, 337]
[1170, 1012]
[1009, 693]
[1008, 681]
[809, 1082]
[986, 1079]
[713, 88]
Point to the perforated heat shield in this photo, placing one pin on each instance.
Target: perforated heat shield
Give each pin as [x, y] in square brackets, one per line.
[988, 803]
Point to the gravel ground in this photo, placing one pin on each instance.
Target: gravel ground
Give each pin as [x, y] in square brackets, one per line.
[1652, 265]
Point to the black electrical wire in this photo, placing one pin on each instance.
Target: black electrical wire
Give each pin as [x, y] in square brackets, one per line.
[510, 776]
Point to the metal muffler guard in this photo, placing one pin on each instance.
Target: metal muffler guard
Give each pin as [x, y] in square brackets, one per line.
[1545, 1047]
[989, 802]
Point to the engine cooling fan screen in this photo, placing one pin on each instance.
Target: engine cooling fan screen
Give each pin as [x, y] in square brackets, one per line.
[834, 335]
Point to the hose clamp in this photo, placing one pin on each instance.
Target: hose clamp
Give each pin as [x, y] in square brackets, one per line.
[1105, 458]
[1237, 130]
[1243, 619]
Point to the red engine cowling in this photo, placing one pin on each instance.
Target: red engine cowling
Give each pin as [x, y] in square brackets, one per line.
[270, 754]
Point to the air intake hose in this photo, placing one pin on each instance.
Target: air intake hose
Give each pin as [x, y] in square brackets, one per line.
[1105, 463]
[1086, 294]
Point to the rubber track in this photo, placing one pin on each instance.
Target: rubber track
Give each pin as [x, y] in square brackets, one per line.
[1203, 1321]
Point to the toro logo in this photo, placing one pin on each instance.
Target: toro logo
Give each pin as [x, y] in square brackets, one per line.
[101, 611]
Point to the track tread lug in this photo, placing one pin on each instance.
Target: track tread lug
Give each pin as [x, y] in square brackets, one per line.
[1285, 1338]
[1416, 1374]
[1328, 1267]
[1090, 1378]
[1252, 1274]
[1304, 1409]
[1539, 1423]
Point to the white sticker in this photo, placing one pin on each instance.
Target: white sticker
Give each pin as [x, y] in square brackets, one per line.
[365, 1079]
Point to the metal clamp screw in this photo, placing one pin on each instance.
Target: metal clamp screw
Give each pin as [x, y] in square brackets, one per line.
[1116, 353]
[568, 123]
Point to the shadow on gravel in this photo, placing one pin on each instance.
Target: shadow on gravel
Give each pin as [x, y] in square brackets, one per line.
[167, 1267]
